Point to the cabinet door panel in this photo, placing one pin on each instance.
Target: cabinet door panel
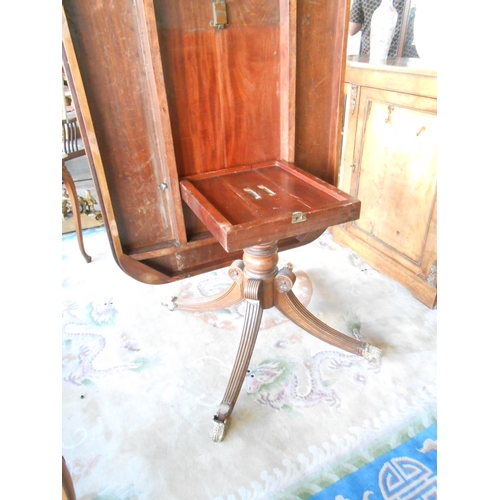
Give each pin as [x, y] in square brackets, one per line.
[395, 178]
[389, 163]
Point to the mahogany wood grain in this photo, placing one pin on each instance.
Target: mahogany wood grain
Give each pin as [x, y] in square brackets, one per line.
[229, 79]
[161, 94]
[167, 168]
[112, 64]
[288, 81]
[257, 205]
[321, 42]
[203, 255]
[293, 309]
[131, 267]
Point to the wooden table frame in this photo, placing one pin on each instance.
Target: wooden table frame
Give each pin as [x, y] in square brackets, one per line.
[169, 93]
[182, 96]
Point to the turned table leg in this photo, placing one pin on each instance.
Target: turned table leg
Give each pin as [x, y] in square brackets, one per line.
[73, 198]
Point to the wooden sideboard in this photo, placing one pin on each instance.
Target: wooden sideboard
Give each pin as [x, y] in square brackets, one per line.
[389, 162]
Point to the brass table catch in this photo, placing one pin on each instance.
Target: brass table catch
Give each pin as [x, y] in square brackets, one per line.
[298, 217]
[220, 14]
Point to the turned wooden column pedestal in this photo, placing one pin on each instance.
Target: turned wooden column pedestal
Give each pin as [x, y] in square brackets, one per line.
[258, 282]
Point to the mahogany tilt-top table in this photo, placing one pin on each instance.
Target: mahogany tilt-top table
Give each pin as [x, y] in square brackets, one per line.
[251, 208]
[213, 133]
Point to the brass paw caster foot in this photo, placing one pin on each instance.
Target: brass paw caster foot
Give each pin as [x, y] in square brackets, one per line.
[372, 353]
[218, 429]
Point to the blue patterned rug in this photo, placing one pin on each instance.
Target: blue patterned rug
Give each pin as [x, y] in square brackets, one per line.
[409, 472]
[140, 384]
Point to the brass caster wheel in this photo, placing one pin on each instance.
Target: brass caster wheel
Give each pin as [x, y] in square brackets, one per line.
[218, 429]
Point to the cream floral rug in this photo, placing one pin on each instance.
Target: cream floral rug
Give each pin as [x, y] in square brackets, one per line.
[140, 383]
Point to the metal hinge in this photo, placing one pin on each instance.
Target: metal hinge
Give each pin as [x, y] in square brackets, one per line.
[354, 97]
[220, 14]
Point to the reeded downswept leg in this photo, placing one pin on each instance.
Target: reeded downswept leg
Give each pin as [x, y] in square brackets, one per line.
[229, 297]
[253, 316]
[256, 281]
[288, 303]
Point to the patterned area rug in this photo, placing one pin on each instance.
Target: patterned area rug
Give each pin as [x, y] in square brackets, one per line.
[140, 384]
[408, 472]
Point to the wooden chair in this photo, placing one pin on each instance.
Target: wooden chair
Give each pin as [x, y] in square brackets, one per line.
[215, 145]
[72, 147]
[71, 139]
